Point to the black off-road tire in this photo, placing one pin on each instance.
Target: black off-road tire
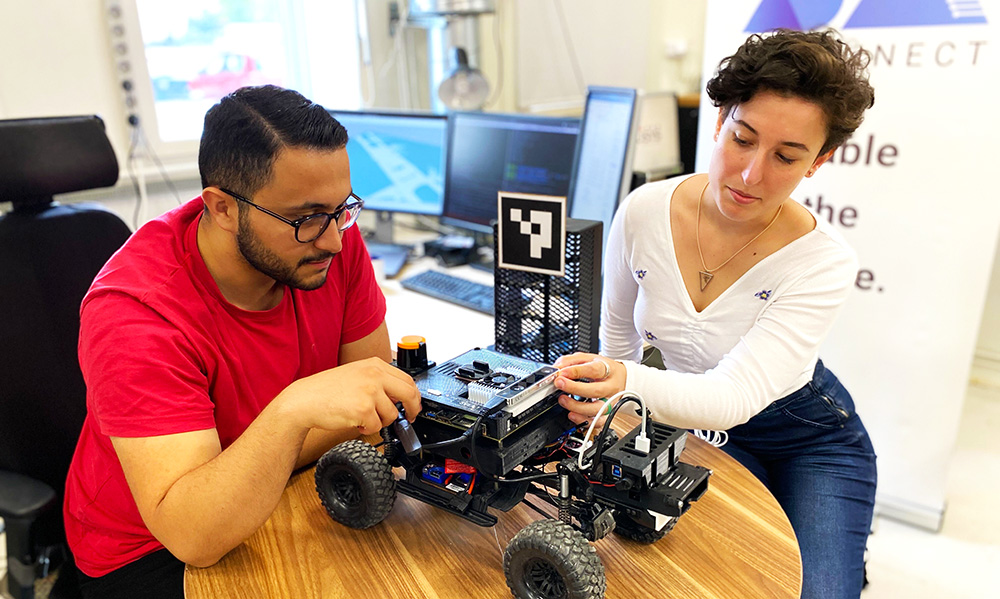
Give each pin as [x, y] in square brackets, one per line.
[549, 559]
[626, 527]
[355, 484]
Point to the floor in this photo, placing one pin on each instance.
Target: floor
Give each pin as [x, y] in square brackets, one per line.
[960, 562]
[963, 560]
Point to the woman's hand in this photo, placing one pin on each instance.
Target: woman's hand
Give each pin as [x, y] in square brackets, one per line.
[590, 376]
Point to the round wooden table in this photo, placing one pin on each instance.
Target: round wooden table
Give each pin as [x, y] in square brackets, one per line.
[734, 542]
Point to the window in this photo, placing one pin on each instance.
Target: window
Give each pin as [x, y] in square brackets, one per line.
[184, 55]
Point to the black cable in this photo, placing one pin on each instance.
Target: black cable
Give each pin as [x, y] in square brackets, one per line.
[159, 165]
[139, 137]
[447, 443]
[528, 477]
[475, 454]
[607, 426]
[470, 432]
[543, 494]
[498, 479]
[129, 163]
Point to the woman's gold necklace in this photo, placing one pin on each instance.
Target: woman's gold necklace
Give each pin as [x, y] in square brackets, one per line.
[706, 273]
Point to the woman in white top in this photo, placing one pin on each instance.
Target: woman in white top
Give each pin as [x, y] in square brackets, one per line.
[737, 285]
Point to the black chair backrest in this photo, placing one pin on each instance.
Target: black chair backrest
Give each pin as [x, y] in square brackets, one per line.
[42, 157]
[49, 255]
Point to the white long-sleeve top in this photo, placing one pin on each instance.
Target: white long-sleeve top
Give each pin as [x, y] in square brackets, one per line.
[756, 343]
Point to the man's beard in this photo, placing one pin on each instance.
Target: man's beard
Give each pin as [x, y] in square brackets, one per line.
[264, 260]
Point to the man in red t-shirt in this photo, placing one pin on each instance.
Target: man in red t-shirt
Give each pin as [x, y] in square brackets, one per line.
[230, 341]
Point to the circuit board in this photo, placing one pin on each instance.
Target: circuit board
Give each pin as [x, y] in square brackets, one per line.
[503, 391]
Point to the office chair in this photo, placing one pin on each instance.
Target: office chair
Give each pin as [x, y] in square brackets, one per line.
[49, 255]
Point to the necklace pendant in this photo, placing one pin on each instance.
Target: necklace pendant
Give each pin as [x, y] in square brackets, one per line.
[706, 278]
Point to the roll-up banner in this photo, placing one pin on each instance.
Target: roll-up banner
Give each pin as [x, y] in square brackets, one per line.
[916, 191]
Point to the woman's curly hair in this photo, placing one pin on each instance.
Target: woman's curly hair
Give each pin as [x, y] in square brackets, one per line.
[816, 66]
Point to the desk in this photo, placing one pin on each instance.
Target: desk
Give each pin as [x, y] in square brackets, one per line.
[734, 542]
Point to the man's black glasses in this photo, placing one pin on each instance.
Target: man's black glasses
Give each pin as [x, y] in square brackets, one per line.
[309, 228]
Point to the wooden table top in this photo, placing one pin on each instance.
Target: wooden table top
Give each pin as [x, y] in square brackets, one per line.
[734, 542]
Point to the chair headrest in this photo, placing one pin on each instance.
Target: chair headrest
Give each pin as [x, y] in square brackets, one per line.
[40, 157]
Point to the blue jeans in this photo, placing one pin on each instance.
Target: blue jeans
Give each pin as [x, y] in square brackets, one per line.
[813, 453]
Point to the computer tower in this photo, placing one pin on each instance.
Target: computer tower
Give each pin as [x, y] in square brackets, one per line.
[541, 317]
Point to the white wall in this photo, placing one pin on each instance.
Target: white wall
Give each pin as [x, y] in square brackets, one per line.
[676, 31]
[561, 47]
[57, 60]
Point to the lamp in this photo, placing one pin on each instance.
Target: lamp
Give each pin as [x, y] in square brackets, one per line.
[465, 88]
[453, 33]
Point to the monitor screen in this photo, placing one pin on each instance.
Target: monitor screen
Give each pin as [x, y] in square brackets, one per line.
[603, 169]
[491, 152]
[397, 159]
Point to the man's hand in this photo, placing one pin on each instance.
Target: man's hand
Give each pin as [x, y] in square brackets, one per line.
[318, 441]
[358, 396]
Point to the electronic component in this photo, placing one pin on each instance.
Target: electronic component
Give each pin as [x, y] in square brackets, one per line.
[505, 391]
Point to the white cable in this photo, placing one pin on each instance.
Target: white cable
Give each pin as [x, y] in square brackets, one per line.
[716, 438]
[604, 410]
[497, 537]
[394, 54]
[370, 79]
[568, 41]
[498, 50]
[590, 431]
[151, 153]
[361, 22]
[402, 61]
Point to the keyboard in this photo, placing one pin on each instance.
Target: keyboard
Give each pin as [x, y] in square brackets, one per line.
[452, 289]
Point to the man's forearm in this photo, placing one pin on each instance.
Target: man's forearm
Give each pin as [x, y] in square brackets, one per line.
[201, 502]
[215, 507]
[317, 443]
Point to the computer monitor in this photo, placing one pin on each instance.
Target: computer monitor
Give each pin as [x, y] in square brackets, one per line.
[602, 172]
[397, 161]
[491, 152]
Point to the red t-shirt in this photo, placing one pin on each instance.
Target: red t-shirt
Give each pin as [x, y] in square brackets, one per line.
[163, 352]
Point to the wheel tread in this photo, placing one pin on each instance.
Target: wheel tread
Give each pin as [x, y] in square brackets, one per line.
[378, 483]
[560, 543]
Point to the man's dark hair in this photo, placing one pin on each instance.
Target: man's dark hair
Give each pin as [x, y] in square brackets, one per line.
[816, 66]
[245, 131]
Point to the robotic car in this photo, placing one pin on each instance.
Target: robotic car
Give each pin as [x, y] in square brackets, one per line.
[492, 432]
